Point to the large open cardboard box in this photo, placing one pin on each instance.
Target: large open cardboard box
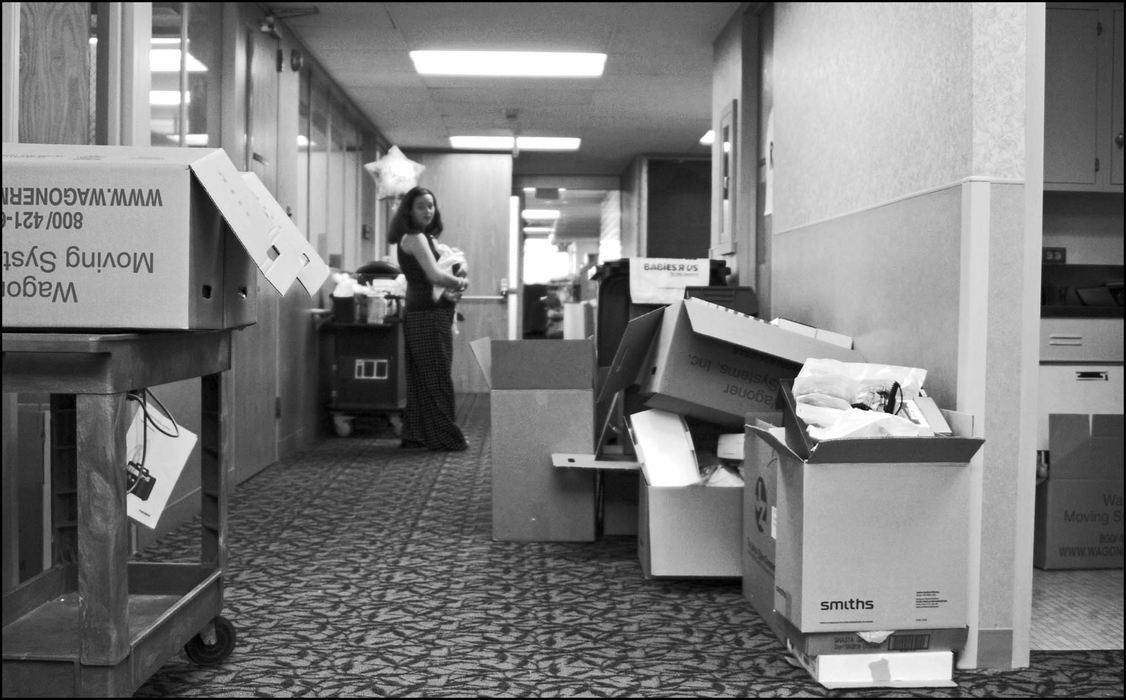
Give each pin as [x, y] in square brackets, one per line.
[547, 406]
[121, 237]
[707, 361]
[1079, 507]
[873, 533]
[760, 518]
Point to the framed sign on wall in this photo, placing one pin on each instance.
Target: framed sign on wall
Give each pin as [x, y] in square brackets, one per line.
[726, 140]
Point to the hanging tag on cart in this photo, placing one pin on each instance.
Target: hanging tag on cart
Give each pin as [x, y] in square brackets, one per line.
[156, 448]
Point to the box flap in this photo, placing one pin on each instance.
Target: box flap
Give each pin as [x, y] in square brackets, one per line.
[730, 326]
[880, 450]
[775, 437]
[483, 350]
[242, 208]
[664, 448]
[1107, 425]
[610, 438]
[1085, 446]
[288, 251]
[633, 348]
[312, 277]
[588, 461]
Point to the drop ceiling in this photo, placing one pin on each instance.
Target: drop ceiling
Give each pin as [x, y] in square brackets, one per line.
[654, 97]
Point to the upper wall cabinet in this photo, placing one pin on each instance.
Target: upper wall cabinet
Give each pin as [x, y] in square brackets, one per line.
[1083, 97]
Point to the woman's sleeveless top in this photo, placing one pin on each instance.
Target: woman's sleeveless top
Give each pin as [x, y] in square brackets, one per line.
[420, 292]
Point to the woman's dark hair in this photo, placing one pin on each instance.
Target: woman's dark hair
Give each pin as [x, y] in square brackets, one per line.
[401, 223]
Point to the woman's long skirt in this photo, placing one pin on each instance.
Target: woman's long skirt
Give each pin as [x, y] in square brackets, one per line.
[428, 419]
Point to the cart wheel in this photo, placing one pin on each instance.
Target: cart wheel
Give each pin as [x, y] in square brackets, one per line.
[210, 654]
[342, 425]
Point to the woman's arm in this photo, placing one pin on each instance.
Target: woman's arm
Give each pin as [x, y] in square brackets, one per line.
[417, 245]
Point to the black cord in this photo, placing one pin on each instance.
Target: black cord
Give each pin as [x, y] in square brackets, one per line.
[148, 418]
[895, 395]
[142, 398]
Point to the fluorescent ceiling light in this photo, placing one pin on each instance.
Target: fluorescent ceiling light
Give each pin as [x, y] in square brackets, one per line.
[548, 143]
[482, 143]
[542, 64]
[539, 230]
[525, 143]
[708, 138]
[540, 214]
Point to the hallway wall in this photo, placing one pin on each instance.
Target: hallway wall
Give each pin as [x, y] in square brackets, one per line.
[900, 186]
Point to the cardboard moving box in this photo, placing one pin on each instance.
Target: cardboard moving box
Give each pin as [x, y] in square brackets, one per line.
[546, 407]
[760, 518]
[846, 642]
[703, 360]
[1079, 507]
[896, 669]
[685, 529]
[689, 531]
[873, 533]
[1078, 524]
[121, 237]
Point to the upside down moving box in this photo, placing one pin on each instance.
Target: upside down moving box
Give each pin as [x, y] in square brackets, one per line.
[703, 360]
[1079, 506]
[128, 237]
[541, 401]
[873, 533]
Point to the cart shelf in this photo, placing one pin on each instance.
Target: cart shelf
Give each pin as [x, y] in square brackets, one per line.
[96, 624]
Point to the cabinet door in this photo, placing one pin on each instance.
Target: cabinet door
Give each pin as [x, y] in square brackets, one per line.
[1077, 389]
[1070, 89]
[1116, 123]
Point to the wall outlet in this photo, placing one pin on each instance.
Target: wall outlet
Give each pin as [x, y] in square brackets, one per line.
[1054, 256]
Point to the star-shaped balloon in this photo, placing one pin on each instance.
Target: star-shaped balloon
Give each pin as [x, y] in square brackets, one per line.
[394, 173]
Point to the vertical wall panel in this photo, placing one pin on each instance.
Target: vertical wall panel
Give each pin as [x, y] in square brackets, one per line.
[885, 116]
[54, 72]
[473, 195]
[872, 102]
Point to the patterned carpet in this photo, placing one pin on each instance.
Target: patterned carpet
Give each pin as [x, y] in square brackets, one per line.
[359, 569]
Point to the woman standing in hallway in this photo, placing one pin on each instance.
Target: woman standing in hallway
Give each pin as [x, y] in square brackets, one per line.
[428, 420]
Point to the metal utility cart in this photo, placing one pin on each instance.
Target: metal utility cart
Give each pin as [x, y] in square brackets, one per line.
[96, 624]
[365, 372]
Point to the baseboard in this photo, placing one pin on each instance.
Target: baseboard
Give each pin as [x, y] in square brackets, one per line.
[995, 649]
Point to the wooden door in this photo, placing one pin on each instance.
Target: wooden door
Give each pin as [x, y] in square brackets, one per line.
[473, 192]
[256, 347]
